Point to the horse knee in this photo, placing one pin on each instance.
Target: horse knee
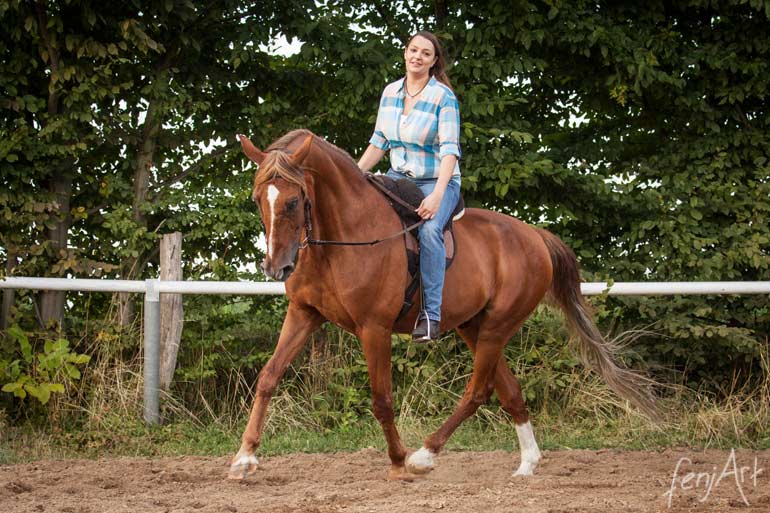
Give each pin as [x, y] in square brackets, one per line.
[382, 408]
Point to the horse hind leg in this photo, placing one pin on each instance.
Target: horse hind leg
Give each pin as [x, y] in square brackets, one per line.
[512, 401]
[508, 391]
[488, 351]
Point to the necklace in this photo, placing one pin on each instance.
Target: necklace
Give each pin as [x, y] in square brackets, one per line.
[410, 95]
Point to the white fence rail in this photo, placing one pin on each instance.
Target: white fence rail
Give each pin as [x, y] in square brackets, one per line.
[251, 288]
[153, 288]
[235, 288]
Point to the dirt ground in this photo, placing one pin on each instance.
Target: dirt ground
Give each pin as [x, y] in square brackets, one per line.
[566, 481]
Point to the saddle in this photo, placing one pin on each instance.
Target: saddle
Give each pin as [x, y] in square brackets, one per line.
[404, 197]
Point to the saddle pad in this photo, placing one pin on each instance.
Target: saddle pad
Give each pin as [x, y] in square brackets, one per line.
[413, 264]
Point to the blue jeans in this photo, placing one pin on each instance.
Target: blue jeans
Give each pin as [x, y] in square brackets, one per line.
[432, 251]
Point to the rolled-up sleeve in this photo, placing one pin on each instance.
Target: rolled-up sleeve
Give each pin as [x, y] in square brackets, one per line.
[449, 127]
[378, 138]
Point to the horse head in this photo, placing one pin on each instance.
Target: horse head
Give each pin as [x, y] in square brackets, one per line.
[280, 194]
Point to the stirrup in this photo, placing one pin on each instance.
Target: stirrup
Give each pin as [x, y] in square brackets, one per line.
[425, 329]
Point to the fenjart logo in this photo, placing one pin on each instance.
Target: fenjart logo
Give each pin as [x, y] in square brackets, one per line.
[742, 477]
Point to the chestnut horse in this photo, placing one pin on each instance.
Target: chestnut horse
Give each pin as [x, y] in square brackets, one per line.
[502, 270]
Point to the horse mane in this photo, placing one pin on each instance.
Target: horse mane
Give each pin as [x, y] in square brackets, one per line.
[277, 163]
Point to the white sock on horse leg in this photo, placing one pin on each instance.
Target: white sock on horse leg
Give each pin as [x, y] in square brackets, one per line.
[421, 461]
[530, 453]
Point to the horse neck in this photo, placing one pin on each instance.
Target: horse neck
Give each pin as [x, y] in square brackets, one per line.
[345, 206]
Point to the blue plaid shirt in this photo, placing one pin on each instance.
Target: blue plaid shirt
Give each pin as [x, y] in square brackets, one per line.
[419, 141]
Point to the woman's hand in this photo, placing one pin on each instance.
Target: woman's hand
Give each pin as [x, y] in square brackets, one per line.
[430, 204]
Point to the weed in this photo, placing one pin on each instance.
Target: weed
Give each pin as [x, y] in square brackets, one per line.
[323, 403]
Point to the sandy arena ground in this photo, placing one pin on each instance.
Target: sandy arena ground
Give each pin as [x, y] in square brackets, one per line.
[565, 482]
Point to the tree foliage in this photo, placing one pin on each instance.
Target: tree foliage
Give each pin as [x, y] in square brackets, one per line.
[638, 132]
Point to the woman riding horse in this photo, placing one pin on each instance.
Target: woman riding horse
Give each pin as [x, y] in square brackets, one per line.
[419, 121]
[306, 187]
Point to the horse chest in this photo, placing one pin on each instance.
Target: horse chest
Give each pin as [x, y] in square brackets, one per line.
[350, 291]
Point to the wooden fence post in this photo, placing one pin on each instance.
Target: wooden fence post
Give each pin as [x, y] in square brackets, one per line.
[9, 295]
[171, 314]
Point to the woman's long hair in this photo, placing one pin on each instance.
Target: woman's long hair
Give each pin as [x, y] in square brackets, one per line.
[438, 70]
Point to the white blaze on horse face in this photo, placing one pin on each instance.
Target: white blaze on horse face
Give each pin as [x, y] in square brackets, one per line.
[272, 195]
[530, 453]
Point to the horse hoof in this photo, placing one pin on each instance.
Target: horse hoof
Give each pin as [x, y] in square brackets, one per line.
[527, 468]
[400, 474]
[243, 467]
[420, 462]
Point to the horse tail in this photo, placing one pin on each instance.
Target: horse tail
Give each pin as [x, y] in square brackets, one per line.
[595, 350]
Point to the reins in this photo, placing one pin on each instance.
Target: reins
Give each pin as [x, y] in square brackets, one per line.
[371, 178]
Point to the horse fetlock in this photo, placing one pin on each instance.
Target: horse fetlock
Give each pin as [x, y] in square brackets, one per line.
[529, 461]
[421, 462]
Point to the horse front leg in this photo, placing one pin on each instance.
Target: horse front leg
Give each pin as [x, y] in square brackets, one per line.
[297, 326]
[376, 345]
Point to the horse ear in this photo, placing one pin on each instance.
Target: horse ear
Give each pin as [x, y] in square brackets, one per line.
[250, 150]
[302, 152]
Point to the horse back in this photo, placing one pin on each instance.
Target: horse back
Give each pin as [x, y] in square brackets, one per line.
[501, 264]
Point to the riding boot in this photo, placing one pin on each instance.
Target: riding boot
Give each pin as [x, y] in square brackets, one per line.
[425, 329]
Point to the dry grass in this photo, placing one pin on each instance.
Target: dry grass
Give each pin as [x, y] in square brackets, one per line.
[740, 418]
[312, 399]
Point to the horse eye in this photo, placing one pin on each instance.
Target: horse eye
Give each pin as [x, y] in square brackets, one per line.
[291, 205]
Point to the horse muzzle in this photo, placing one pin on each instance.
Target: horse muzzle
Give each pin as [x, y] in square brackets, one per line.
[277, 272]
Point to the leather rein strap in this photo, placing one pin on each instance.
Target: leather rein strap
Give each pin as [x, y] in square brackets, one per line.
[372, 179]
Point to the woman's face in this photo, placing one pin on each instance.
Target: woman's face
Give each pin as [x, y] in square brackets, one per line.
[419, 56]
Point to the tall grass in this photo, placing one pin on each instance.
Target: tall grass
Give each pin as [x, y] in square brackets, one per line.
[323, 403]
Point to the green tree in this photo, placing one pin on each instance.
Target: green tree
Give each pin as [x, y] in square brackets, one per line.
[637, 132]
[138, 95]
[58, 64]
[675, 101]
